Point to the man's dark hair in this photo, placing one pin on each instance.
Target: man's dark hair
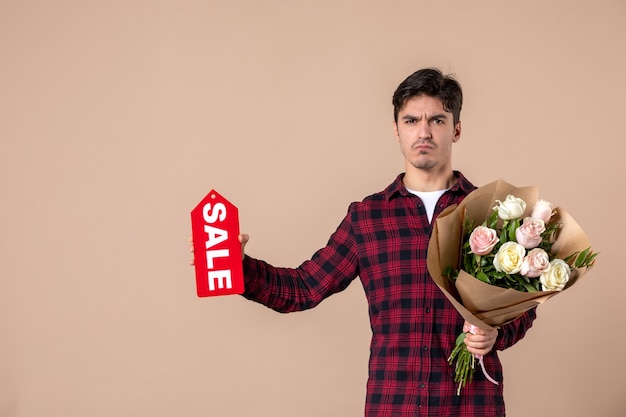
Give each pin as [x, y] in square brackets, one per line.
[430, 82]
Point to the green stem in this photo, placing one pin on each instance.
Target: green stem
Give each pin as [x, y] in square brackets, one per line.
[464, 367]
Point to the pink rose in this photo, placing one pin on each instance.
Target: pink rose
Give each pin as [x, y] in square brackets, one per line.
[535, 263]
[529, 233]
[542, 210]
[482, 240]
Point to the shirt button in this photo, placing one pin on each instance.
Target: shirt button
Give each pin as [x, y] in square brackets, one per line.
[425, 348]
[422, 385]
[428, 309]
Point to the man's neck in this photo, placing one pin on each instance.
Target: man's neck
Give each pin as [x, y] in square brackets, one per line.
[419, 180]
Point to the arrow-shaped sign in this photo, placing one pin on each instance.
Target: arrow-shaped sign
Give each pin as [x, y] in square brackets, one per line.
[217, 251]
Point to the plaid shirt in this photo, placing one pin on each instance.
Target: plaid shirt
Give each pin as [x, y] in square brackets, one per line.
[384, 240]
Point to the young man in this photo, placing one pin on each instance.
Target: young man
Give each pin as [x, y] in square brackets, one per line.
[384, 240]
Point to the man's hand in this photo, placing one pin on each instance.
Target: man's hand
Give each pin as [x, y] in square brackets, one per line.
[243, 239]
[481, 341]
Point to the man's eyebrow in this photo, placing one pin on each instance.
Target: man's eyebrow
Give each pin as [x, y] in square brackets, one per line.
[434, 116]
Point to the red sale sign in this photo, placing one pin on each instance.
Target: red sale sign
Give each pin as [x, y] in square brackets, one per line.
[217, 251]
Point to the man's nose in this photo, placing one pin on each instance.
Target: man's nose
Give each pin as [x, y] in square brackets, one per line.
[423, 129]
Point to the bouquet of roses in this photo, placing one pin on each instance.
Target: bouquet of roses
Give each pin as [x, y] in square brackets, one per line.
[499, 253]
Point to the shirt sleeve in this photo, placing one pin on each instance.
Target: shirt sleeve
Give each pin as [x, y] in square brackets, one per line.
[330, 270]
[511, 333]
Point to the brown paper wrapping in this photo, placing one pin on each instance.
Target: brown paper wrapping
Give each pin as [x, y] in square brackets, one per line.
[479, 303]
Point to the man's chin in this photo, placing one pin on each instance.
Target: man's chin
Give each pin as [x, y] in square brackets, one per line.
[425, 165]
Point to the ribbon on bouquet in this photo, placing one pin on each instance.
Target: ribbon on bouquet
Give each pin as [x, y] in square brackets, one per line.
[481, 361]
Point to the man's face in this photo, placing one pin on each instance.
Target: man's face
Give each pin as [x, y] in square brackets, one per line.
[426, 132]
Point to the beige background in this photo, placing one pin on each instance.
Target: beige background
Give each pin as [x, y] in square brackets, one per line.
[117, 117]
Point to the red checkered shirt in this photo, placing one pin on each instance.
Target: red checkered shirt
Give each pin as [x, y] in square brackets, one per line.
[384, 240]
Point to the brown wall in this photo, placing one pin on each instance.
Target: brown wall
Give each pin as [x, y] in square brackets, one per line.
[117, 117]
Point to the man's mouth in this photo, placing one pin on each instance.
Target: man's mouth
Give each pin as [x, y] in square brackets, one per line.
[423, 147]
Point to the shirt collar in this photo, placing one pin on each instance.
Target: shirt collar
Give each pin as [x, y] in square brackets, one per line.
[462, 185]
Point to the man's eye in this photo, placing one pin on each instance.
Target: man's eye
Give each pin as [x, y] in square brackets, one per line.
[438, 121]
[410, 121]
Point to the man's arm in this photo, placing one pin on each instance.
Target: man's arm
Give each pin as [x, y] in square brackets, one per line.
[511, 333]
[330, 270]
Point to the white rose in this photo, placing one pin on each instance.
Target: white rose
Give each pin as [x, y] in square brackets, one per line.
[557, 275]
[511, 208]
[509, 258]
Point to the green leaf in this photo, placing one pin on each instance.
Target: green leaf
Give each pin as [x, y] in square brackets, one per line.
[483, 277]
[568, 259]
[590, 259]
[550, 233]
[503, 236]
[499, 275]
[581, 258]
[450, 272]
[513, 225]
[492, 221]
[527, 287]
[584, 258]
[467, 264]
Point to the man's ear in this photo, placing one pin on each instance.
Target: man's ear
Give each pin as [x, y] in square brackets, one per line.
[395, 131]
[457, 132]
